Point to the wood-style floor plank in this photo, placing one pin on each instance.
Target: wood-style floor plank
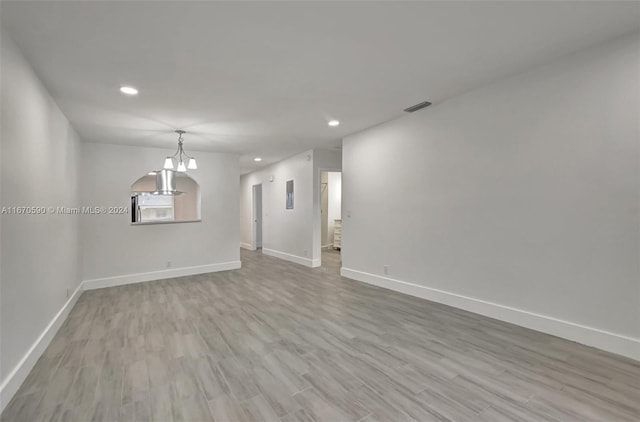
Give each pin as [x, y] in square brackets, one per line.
[276, 341]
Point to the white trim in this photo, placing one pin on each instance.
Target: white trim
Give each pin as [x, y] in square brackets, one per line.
[601, 339]
[247, 246]
[307, 262]
[328, 245]
[16, 377]
[100, 283]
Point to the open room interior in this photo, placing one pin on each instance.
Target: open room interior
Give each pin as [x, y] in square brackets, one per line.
[331, 218]
[319, 211]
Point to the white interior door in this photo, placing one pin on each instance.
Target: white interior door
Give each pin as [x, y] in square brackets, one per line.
[257, 216]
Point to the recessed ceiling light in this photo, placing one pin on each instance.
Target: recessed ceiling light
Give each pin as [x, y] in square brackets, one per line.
[257, 159]
[129, 90]
[333, 123]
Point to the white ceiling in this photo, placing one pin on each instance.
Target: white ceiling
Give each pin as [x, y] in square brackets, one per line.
[263, 78]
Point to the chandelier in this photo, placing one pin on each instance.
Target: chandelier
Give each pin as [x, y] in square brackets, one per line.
[180, 157]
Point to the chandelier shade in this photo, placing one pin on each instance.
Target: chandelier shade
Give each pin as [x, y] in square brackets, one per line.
[177, 161]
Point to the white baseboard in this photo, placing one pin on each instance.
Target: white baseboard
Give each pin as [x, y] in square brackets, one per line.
[247, 246]
[16, 377]
[100, 283]
[604, 340]
[307, 262]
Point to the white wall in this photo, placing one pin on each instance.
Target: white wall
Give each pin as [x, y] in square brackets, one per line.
[518, 200]
[116, 252]
[334, 210]
[258, 215]
[286, 233]
[324, 208]
[40, 253]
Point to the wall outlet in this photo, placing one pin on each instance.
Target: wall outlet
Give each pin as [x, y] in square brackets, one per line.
[168, 264]
[386, 270]
[304, 252]
[67, 293]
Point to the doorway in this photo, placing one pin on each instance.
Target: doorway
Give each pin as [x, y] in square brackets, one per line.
[257, 217]
[330, 217]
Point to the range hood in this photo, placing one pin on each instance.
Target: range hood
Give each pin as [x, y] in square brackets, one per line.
[165, 183]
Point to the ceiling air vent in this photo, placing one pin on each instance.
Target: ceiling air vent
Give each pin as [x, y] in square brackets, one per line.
[417, 107]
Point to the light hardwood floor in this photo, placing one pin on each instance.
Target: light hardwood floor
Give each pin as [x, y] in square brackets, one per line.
[278, 341]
